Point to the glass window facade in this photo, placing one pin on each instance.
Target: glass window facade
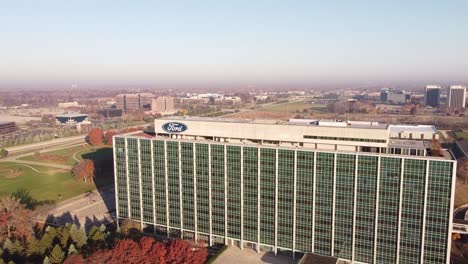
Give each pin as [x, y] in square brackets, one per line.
[354, 206]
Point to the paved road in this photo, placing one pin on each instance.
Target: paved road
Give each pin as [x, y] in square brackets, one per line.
[31, 148]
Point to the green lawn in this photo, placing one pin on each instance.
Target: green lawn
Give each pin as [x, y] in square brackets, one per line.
[65, 155]
[294, 107]
[461, 135]
[46, 185]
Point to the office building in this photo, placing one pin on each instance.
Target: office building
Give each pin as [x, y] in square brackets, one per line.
[163, 105]
[110, 112]
[71, 119]
[358, 191]
[215, 99]
[73, 104]
[7, 127]
[456, 97]
[394, 97]
[432, 95]
[133, 102]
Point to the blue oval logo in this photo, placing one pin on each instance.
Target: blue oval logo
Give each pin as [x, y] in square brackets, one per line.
[174, 127]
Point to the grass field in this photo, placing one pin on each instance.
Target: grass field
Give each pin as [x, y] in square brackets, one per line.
[65, 156]
[294, 107]
[47, 184]
[461, 135]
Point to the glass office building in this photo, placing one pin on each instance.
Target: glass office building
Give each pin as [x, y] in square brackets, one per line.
[355, 206]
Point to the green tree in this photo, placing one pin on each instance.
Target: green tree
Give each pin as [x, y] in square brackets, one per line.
[64, 236]
[46, 260]
[78, 235]
[72, 250]
[96, 234]
[46, 242]
[57, 255]
[3, 152]
[33, 247]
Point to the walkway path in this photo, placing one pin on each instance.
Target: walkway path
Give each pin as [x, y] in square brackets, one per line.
[45, 164]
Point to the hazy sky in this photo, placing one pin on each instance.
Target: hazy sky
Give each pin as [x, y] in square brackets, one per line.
[224, 41]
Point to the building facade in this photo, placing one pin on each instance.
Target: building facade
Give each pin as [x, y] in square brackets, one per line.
[163, 105]
[133, 102]
[7, 127]
[357, 206]
[432, 95]
[456, 97]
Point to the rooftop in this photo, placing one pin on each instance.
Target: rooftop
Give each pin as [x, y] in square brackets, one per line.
[6, 122]
[71, 115]
[316, 122]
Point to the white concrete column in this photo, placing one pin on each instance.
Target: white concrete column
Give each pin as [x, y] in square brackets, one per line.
[402, 172]
[276, 202]
[242, 198]
[356, 166]
[195, 220]
[225, 197]
[180, 192]
[294, 204]
[167, 186]
[333, 206]
[376, 223]
[452, 199]
[116, 184]
[423, 233]
[258, 199]
[314, 198]
[139, 184]
[126, 171]
[152, 186]
[209, 194]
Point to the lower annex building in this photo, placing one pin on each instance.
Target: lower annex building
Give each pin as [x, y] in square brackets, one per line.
[362, 192]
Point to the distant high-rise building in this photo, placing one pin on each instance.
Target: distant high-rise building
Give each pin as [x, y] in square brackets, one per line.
[432, 95]
[163, 105]
[456, 96]
[132, 102]
[384, 95]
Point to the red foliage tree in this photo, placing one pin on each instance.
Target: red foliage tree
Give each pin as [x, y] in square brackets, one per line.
[152, 251]
[15, 218]
[179, 252]
[199, 256]
[95, 136]
[108, 136]
[74, 259]
[84, 170]
[126, 251]
[100, 257]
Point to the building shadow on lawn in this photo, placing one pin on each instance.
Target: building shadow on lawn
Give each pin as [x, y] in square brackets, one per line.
[104, 175]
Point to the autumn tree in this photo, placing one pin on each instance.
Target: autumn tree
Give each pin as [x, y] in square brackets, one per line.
[126, 251]
[436, 148]
[75, 259]
[108, 136]
[179, 252]
[95, 136]
[462, 168]
[15, 218]
[152, 251]
[83, 170]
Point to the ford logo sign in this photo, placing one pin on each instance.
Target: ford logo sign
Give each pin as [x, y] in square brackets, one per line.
[174, 127]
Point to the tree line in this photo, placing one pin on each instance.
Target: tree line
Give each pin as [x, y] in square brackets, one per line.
[23, 241]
